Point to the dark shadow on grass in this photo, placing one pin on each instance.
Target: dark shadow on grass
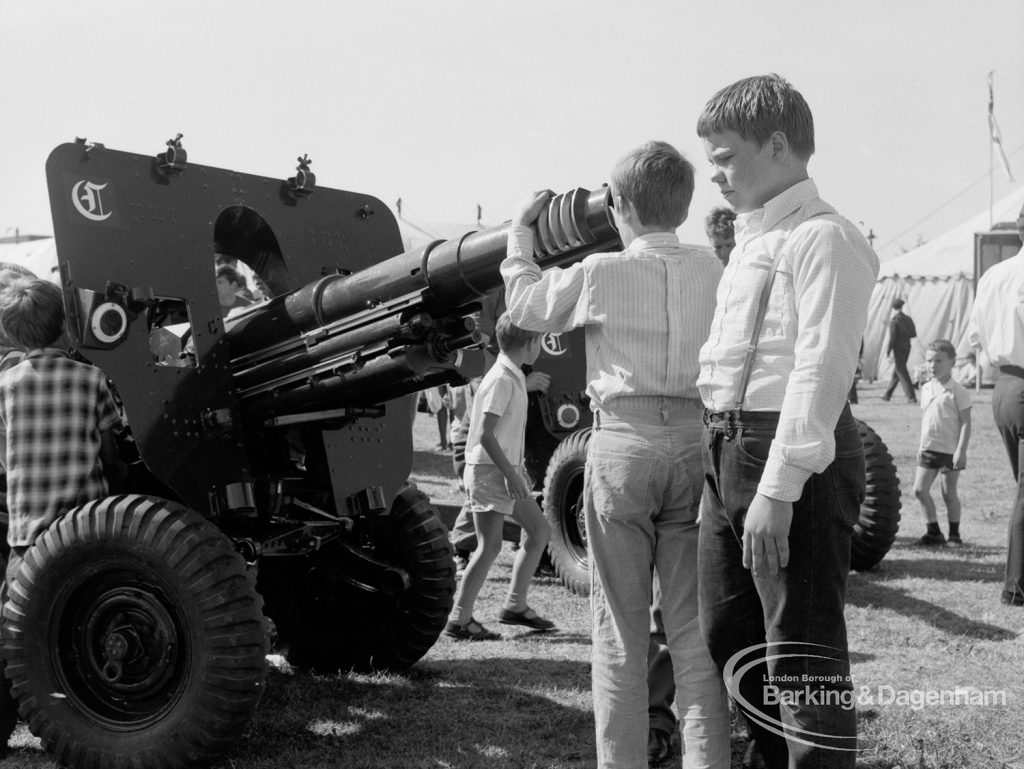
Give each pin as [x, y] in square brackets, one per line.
[555, 637]
[949, 569]
[867, 593]
[465, 713]
[433, 463]
[470, 714]
[856, 657]
[968, 550]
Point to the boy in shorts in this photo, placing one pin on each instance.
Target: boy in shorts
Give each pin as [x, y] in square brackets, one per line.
[497, 486]
[945, 432]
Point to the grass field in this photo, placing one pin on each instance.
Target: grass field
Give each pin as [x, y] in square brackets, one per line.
[923, 621]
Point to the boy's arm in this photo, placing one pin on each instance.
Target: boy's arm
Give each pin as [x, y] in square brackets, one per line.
[555, 300]
[960, 455]
[514, 481]
[114, 468]
[832, 280]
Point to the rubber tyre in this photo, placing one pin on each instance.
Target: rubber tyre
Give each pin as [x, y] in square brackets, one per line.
[563, 507]
[8, 705]
[154, 584]
[875, 531]
[326, 624]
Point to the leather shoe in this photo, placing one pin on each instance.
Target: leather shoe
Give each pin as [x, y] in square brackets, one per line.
[659, 747]
[527, 618]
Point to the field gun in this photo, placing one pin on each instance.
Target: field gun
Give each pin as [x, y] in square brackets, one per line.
[269, 449]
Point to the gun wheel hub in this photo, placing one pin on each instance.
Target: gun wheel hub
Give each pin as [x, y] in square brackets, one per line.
[117, 649]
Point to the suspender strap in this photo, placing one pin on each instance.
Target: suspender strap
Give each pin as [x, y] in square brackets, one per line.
[762, 308]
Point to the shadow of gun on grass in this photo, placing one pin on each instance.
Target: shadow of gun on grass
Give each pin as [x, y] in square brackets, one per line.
[460, 714]
[867, 594]
[959, 570]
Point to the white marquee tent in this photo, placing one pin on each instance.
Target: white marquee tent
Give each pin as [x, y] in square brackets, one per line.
[937, 282]
[38, 255]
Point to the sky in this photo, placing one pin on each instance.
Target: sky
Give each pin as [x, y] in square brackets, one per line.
[450, 105]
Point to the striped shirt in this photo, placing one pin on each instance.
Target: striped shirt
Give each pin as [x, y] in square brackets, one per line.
[807, 350]
[52, 410]
[646, 311]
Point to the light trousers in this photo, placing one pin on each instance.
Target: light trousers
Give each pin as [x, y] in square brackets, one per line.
[642, 491]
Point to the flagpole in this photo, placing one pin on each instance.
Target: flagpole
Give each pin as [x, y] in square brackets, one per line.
[991, 151]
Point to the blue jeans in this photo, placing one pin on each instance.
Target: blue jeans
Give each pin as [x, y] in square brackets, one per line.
[641, 494]
[796, 694]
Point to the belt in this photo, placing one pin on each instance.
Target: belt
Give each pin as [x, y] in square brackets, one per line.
[735, 418]
[730, 421]
[650, 403]
[1016, 371]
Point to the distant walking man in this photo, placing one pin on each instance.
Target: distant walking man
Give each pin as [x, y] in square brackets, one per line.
[997, 326]
[901, 331]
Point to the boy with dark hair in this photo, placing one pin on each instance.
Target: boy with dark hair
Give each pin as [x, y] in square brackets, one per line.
[645, 311]
[56, 420]
[945, 432]
[782, 453]
[496, 484]
[10, 274]
[230, 288]
[718, 226]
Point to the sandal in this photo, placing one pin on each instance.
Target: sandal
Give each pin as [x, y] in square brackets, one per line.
[471, 631]
[527, 618]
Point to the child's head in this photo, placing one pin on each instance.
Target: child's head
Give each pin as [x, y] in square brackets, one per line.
[658, 181]
[758, 134]
[719, 228]
[10, 273]
[940, 357]
[229, 282]
[512, 339]
[32, 313]
[756, 108]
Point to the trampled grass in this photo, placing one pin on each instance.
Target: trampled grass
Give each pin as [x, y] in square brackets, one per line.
[924, 624]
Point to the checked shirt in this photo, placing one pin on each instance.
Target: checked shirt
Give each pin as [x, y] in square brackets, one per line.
[52, 410]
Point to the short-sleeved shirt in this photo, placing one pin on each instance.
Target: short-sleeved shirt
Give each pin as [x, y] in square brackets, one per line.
[941, 405]
[503, 392]
[52, 411]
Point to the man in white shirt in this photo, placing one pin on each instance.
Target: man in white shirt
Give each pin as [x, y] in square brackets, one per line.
[997, 326]
[645, 311]
[782, 453]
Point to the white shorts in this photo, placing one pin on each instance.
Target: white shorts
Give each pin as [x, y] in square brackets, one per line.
[485, 487]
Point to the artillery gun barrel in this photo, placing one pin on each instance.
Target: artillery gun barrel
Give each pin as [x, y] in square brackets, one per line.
[366, 333]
